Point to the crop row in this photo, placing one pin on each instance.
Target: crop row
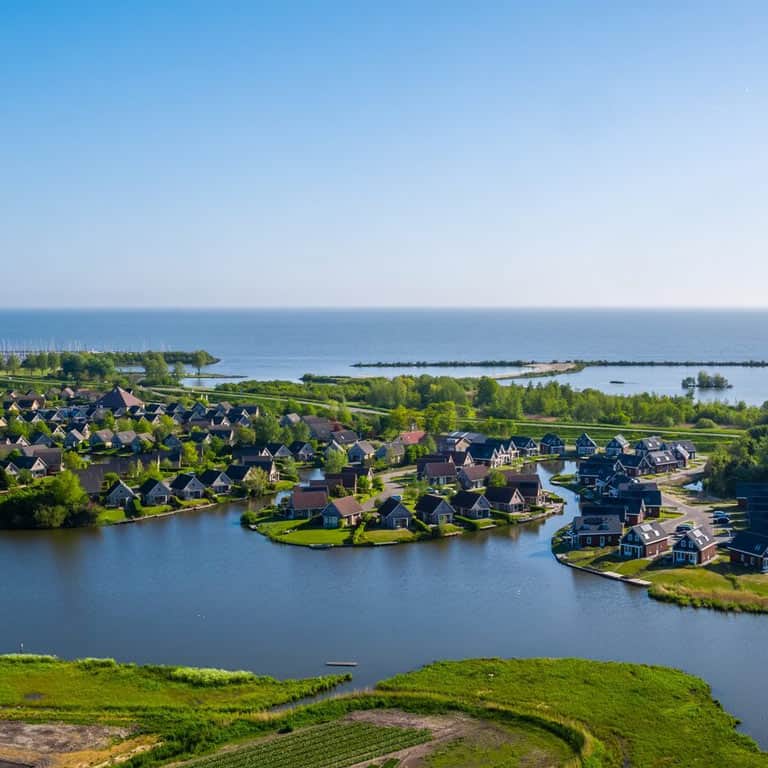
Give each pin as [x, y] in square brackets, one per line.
[333, 745]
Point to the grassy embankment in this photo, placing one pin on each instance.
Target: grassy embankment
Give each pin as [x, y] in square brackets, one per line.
[717, 584]
[517, 712]
[641, 716]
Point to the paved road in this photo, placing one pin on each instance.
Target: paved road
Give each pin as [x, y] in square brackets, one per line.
[393, 485]
[698, 514]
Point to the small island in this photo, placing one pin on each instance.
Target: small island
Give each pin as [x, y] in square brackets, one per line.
[706, 381]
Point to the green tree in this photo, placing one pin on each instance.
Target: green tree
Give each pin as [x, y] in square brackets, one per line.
[335, 461]
[199, 360]
[496, 479]
[12, 363]
[256, 483]
[66, 490]
[179, 371]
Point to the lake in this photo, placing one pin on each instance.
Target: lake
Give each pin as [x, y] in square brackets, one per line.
[287, 343]
[198, 589]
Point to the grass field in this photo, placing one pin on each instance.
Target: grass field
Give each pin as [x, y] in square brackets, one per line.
[331, 745]
[644, 717]
[102, 684]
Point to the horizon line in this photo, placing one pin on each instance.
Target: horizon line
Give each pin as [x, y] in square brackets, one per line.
[385, 307]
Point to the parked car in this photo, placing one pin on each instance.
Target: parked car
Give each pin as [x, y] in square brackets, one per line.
[683, 528]
[722, 519]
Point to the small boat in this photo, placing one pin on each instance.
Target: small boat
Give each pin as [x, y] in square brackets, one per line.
[340, 663]
[616, 381]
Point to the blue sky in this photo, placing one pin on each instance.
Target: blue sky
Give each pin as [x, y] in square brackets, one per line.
[393, 154]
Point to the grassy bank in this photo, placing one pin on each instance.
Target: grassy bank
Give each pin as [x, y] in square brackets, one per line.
[717, 585]
[642, 716]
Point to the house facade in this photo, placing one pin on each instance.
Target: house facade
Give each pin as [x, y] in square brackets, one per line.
[644, 540]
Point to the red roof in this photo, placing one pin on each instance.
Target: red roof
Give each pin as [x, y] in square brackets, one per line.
[413, 437]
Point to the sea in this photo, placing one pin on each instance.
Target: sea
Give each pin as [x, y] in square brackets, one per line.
[287, 343]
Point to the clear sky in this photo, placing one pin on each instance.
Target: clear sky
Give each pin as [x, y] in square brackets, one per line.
[392, 154]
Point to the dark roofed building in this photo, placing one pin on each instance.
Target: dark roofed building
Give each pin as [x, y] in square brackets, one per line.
[596, 530]
[117, 399]
[750, 550]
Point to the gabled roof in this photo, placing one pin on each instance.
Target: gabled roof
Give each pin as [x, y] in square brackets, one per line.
[750, 543]
[180, 482]
[585, 439]
[149, 485]
[444, 469]
[604, 525]
[391, 506]
[467, 499]
[413, 437]
[121, 485]
[430, 502]
[649, 532]
[118, 398]
[552, 439]
[475, 472]
[312, 498]
[697, 538]
[659, 458]
[345, 506]
[505, 494]
[210, 476]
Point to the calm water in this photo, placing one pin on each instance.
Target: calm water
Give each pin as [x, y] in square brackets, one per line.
[198, 589]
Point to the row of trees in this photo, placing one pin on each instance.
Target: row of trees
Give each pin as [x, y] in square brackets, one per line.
[59, 502]
[744, 460]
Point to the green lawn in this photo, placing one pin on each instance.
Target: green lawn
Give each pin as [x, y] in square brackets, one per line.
[379, 535]
[644, 717]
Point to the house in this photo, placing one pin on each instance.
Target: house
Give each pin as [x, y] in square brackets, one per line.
[661, 461]
[648, 491]
[585, 446]
[505, 499]
[529, 485]
[342, 513]
[526, 446]
[265, 463]
[644, 540]
[393, 514]
[32, 464]
[101, 438]
[412, 437]
[118, 399]
[345, 437]
[488, 454]
[306, 502]
[632, 464]
[172, 442]
[319, 427]
[473, 477]
[119, 495]
[616, 507]
[474, 505]
[750, 550]
[238, 473]
[695, 547]
[226, 434]
[552, 445]
[362, 451]
[648, 444]
[74, 439]
[431, 458]
[41, 439]
[187, 486]
[219, 482]
[459, 441]
[685, 446]
[127, 439]
[460, 459]
[392, 453]
[50, 456]
[301, 451]
[595, 468]
[289, 420]
[278, 451]
[635, 510]
[155, 492]
[434, 510]
[596, 531]
[340, 481]
[617, 446]
[439, 473]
